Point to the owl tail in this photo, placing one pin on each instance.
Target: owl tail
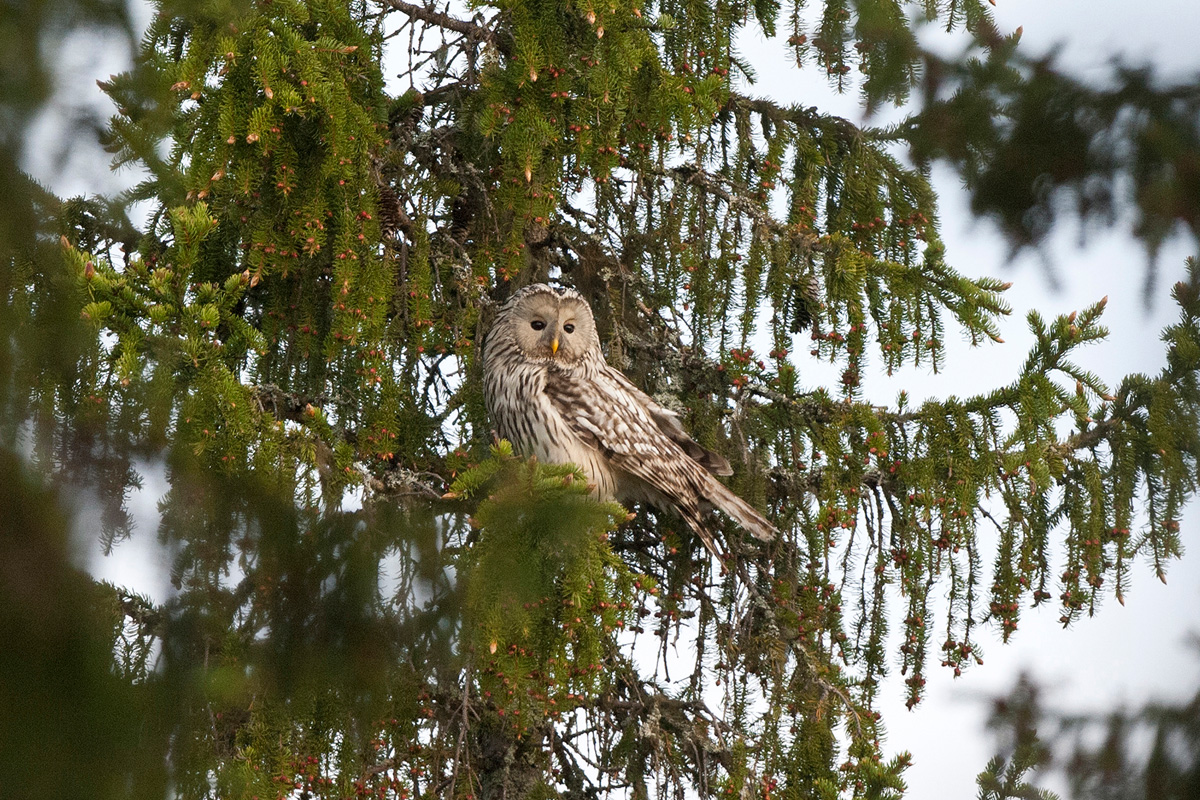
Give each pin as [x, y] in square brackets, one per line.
[742, 512]
[720, 497]
[696, 523]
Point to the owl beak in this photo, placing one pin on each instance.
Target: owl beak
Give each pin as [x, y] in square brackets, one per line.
[554, 346]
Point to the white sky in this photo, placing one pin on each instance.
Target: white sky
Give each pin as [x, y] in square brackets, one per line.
[1125, 655]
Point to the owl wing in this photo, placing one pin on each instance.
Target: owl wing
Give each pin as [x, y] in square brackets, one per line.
[608, 412]
[669, 425]
[641, 438]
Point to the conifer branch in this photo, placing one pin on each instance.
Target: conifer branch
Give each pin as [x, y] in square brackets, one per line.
[291, 406]
[443, 20]
[396, 481]
[145, 615]
[738, 199]
[1086, 440]
[803, 118]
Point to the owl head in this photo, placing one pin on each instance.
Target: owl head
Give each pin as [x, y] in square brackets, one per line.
[549, 323]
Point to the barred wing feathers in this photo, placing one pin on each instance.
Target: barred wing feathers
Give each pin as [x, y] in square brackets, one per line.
[668, 423]
[645, 441]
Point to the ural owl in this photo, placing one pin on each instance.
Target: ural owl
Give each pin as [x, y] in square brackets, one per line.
[550, 393]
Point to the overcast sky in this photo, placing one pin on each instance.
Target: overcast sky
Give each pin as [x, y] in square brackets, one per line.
[1125, 655]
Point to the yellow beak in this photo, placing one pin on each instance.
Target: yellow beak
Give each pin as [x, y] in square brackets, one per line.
[554, 346]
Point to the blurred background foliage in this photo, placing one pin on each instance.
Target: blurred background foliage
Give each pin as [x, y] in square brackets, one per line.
[370, 596]
[1152, 751]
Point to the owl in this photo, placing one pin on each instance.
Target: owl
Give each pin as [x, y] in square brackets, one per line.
[550, 392]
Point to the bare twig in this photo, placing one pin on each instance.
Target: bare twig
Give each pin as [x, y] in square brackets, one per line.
[443, 20]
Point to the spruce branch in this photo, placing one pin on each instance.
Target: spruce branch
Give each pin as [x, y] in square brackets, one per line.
[807, 119]
[292, 406]
[471, 30]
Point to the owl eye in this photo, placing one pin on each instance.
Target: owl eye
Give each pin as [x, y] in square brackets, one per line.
[537, 325]
[569, 327]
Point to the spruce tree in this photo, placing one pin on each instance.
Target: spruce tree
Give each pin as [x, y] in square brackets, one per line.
[373, 596]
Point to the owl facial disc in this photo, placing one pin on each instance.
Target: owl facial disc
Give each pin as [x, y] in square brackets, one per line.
[552, 325]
